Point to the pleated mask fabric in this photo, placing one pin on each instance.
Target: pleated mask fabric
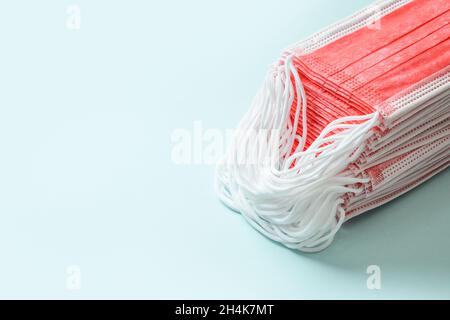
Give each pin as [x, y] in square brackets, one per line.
[345, 121]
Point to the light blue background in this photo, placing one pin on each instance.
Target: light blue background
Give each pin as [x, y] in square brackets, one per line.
[86, 176]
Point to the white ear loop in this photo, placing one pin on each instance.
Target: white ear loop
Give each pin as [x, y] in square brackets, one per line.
[297, 198]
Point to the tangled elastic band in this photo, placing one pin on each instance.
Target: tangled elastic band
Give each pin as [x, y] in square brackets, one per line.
[346, 120]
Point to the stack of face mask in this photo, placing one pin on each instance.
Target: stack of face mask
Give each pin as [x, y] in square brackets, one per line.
[345, 121]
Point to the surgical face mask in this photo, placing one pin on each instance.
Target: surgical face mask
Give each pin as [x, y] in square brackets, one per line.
[353, 116]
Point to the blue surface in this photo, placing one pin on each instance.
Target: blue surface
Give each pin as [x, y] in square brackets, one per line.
[86, 176]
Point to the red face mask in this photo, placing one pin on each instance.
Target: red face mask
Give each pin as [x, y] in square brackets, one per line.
[361, 112]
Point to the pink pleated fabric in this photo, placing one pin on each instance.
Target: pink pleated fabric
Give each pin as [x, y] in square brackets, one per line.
[394, 71]
[363, 72]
